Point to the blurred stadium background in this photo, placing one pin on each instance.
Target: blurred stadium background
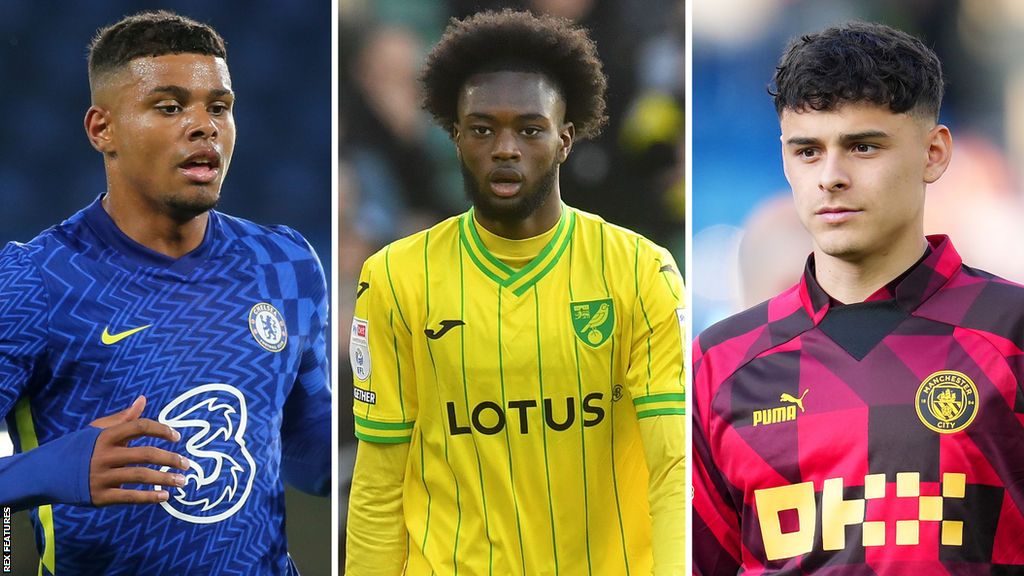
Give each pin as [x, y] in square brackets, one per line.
[747, 242]
[279, 55]
[398, 173]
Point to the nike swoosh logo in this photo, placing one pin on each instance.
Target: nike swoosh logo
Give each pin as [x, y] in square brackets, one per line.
[109, 338]
[446, 325]
[362, 288]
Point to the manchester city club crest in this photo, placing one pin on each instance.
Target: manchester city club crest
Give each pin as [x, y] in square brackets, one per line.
[267, 327]
[947, 401]
[593, 321]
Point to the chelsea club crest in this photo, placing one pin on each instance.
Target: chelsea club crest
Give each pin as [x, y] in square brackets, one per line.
[267, 327]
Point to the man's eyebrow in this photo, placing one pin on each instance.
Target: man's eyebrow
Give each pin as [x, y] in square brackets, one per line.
[183, 93]
[802, 141]
[866, 135]
[843, 138]
[529, 116]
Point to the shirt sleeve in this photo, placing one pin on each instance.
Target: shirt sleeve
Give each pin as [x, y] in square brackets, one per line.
[55, 473]
[380, 349]
[28, 478]
[716, 522]
[306, 424]
[655, 380]
[376, 541]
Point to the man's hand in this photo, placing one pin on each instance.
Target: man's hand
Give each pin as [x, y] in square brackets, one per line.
[111, 456]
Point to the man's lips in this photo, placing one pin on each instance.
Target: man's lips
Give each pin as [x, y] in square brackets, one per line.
[201, 166]
[505, 182]
[836, 214]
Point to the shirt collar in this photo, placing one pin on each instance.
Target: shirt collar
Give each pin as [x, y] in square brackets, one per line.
[107, 231]
[909, 289]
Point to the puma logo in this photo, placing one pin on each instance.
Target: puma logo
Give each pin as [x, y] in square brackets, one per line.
[668, 268]
[446, 325]
[798, 401]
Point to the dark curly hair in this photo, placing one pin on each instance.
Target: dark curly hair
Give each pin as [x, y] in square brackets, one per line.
[509, 40]
[150, 34]
[856, 62]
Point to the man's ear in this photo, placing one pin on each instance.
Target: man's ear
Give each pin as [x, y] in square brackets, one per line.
[99, 129]
[940, 151]
[566, 134]
[455, 138]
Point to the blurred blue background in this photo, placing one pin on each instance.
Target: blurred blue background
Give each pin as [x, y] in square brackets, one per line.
[279, 56]
[748, 244]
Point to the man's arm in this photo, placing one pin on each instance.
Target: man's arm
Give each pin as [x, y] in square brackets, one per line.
[385, 411]
[717, 550]
[86, 467]
[655, 379]
[306, 441]
[306, 424]
[376, 543]
[716, 525]
[664, 439]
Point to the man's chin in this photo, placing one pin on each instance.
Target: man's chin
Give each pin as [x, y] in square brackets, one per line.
[514, 209]
[185, 207]
[842, 248]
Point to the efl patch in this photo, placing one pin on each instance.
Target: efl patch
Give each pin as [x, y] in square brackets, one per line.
[947, 401]
[267, 327]
[359, 349]
[593, 321]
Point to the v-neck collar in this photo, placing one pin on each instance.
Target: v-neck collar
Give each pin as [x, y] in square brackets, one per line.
[518, 282]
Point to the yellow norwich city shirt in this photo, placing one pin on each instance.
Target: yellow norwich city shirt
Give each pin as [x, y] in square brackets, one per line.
[535, 395]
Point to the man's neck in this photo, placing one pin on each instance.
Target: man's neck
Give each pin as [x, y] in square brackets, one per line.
[852, 281]
[157, 231]
[544, 219]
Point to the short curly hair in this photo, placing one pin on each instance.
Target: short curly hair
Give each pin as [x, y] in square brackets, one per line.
[857, 62]
[512, 40]
[152, 33]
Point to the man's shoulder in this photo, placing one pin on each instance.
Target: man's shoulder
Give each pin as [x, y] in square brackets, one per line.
[768, 324]
[625, 250]
[54, 238]
[276, 239]
[411, 249]
[590, 225]
[725, 332]
[993, 289]
[978, 300]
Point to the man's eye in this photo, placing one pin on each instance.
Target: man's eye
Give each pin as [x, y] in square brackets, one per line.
[530, 131]
[218, 109]
[807, 153]
[864, 148]
[169, 108]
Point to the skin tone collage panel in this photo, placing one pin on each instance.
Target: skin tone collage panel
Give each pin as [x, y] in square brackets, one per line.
[825, 395]
[167, 128]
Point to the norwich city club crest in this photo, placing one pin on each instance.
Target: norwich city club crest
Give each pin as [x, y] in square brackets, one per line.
[593, 321]
[947, 401]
